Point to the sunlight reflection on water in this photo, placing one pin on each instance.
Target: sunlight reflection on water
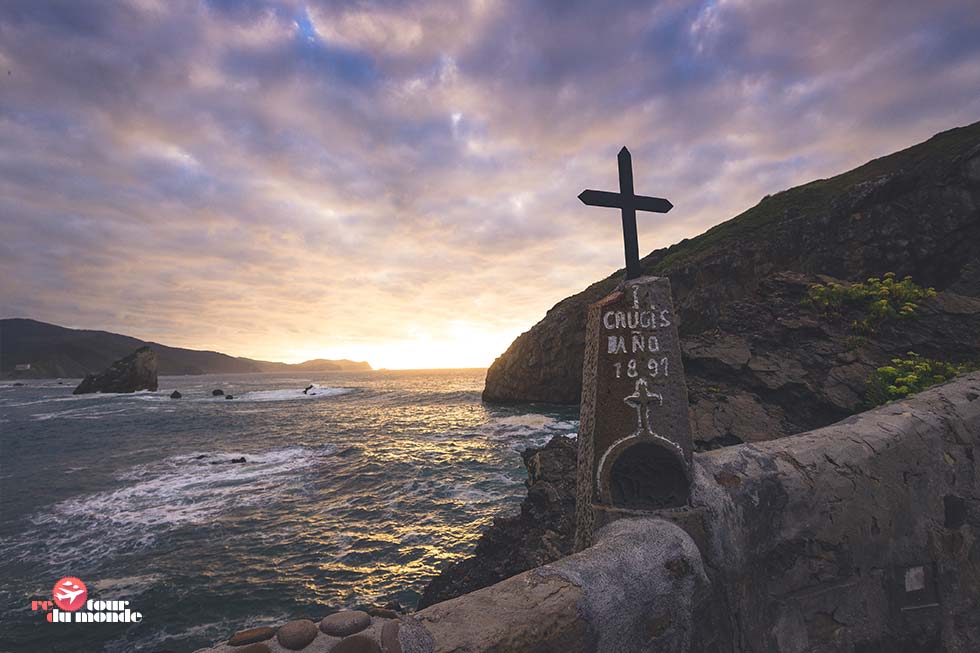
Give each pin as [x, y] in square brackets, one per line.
[359, 495]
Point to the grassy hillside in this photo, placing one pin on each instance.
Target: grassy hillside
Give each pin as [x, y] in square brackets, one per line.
[54, 351]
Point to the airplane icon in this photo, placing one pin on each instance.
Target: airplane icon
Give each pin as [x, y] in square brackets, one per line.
[65, 593]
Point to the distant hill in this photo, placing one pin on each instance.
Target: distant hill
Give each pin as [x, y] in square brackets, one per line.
[53, 351]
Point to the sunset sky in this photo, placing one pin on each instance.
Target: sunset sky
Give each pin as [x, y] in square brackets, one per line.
[396, 182]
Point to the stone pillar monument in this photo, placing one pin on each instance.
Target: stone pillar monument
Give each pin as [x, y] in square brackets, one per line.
[634, 442]
[634, 439]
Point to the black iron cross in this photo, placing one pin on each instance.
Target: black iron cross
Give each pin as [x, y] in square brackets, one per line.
[629, 204]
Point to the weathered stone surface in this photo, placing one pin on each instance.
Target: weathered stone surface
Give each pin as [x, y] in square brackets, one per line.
[138, 371]
[260, 647]
[858, 536]
[499, 612]
[807, 369]
[634, 439]
[345, 623]
[617, 596]
[389, 638]
[296, 634]
[251, 635]
[357, 644]
[913, 213]
[728, 350]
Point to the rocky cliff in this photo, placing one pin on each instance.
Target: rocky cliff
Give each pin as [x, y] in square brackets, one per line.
[138, 371]
[761, 363]
[772, 366]
[915, 212]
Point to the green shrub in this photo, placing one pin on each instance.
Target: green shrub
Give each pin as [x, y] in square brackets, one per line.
[881, 299]
[907, 376]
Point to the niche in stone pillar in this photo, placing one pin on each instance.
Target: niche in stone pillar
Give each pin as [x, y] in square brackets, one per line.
[635, 444]
[644, 474]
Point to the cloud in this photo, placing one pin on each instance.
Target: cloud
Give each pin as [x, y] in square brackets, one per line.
[353, 179]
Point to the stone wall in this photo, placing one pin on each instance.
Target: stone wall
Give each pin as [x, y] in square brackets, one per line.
[860, 536]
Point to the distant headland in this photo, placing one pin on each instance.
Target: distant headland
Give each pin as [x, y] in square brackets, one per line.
[32, 349]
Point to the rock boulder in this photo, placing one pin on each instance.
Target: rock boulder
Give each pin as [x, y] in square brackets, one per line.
[138, 371]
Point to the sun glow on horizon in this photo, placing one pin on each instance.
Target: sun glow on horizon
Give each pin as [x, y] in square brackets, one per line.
[460, 345]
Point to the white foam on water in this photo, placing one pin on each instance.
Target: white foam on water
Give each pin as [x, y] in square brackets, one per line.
[259, 396]
[468, 494]
[160, 497]
[533, 441]
[285, 394]
[505, 479]
[86, 412]
[530, 423]
[289, 394]
[532, 420]
[88, 397]
[100, 411]
[522, 428]
[529, 430]
[125, 585]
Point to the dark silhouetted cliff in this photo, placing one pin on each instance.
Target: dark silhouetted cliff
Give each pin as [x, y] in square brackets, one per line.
[53, 351]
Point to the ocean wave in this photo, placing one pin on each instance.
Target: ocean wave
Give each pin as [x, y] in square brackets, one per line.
[469, 494]
[182, 490]
[285, 394]
[529, 423]
[531, 420]
[520, 428]
[86, 412]
[289, 394]
[125, 585]
[86, 397]
[116, 406]
[259, 396]
[530, 430]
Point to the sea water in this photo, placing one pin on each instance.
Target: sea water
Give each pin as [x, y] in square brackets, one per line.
[357, 492]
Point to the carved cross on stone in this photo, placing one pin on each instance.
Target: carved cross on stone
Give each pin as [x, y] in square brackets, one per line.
[629, 204]
[641, 399]
[634, 442]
